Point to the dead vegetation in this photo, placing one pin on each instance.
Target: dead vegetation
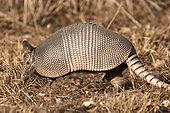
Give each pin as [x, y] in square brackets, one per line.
[146, 23]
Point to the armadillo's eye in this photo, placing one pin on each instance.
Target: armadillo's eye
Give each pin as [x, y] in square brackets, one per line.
[27, 63]
[27, 56]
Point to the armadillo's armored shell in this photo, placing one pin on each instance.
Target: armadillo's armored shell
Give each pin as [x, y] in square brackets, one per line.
[82, 46]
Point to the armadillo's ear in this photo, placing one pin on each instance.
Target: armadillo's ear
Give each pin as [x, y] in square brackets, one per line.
[27, 46]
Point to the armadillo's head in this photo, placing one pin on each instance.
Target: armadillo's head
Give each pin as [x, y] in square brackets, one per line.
[28, 58]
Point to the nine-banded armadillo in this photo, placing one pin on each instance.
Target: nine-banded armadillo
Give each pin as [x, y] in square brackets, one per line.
[84, 46]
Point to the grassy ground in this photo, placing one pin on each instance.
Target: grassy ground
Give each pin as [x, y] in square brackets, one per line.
[145, 22]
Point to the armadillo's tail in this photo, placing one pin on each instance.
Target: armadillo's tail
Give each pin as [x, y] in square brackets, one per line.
[137, 67]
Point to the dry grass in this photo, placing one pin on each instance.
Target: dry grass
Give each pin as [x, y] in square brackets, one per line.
[146, 23]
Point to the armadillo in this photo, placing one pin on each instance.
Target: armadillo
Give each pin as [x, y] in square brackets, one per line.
[85, 46]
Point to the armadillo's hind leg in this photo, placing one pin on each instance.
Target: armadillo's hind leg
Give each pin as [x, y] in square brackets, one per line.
[116, 78]
[119, 83]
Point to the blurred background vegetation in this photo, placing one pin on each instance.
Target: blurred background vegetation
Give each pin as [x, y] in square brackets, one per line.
[48, 15]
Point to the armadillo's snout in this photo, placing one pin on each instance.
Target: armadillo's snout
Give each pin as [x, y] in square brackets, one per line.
[27, 64]
[27, 70]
